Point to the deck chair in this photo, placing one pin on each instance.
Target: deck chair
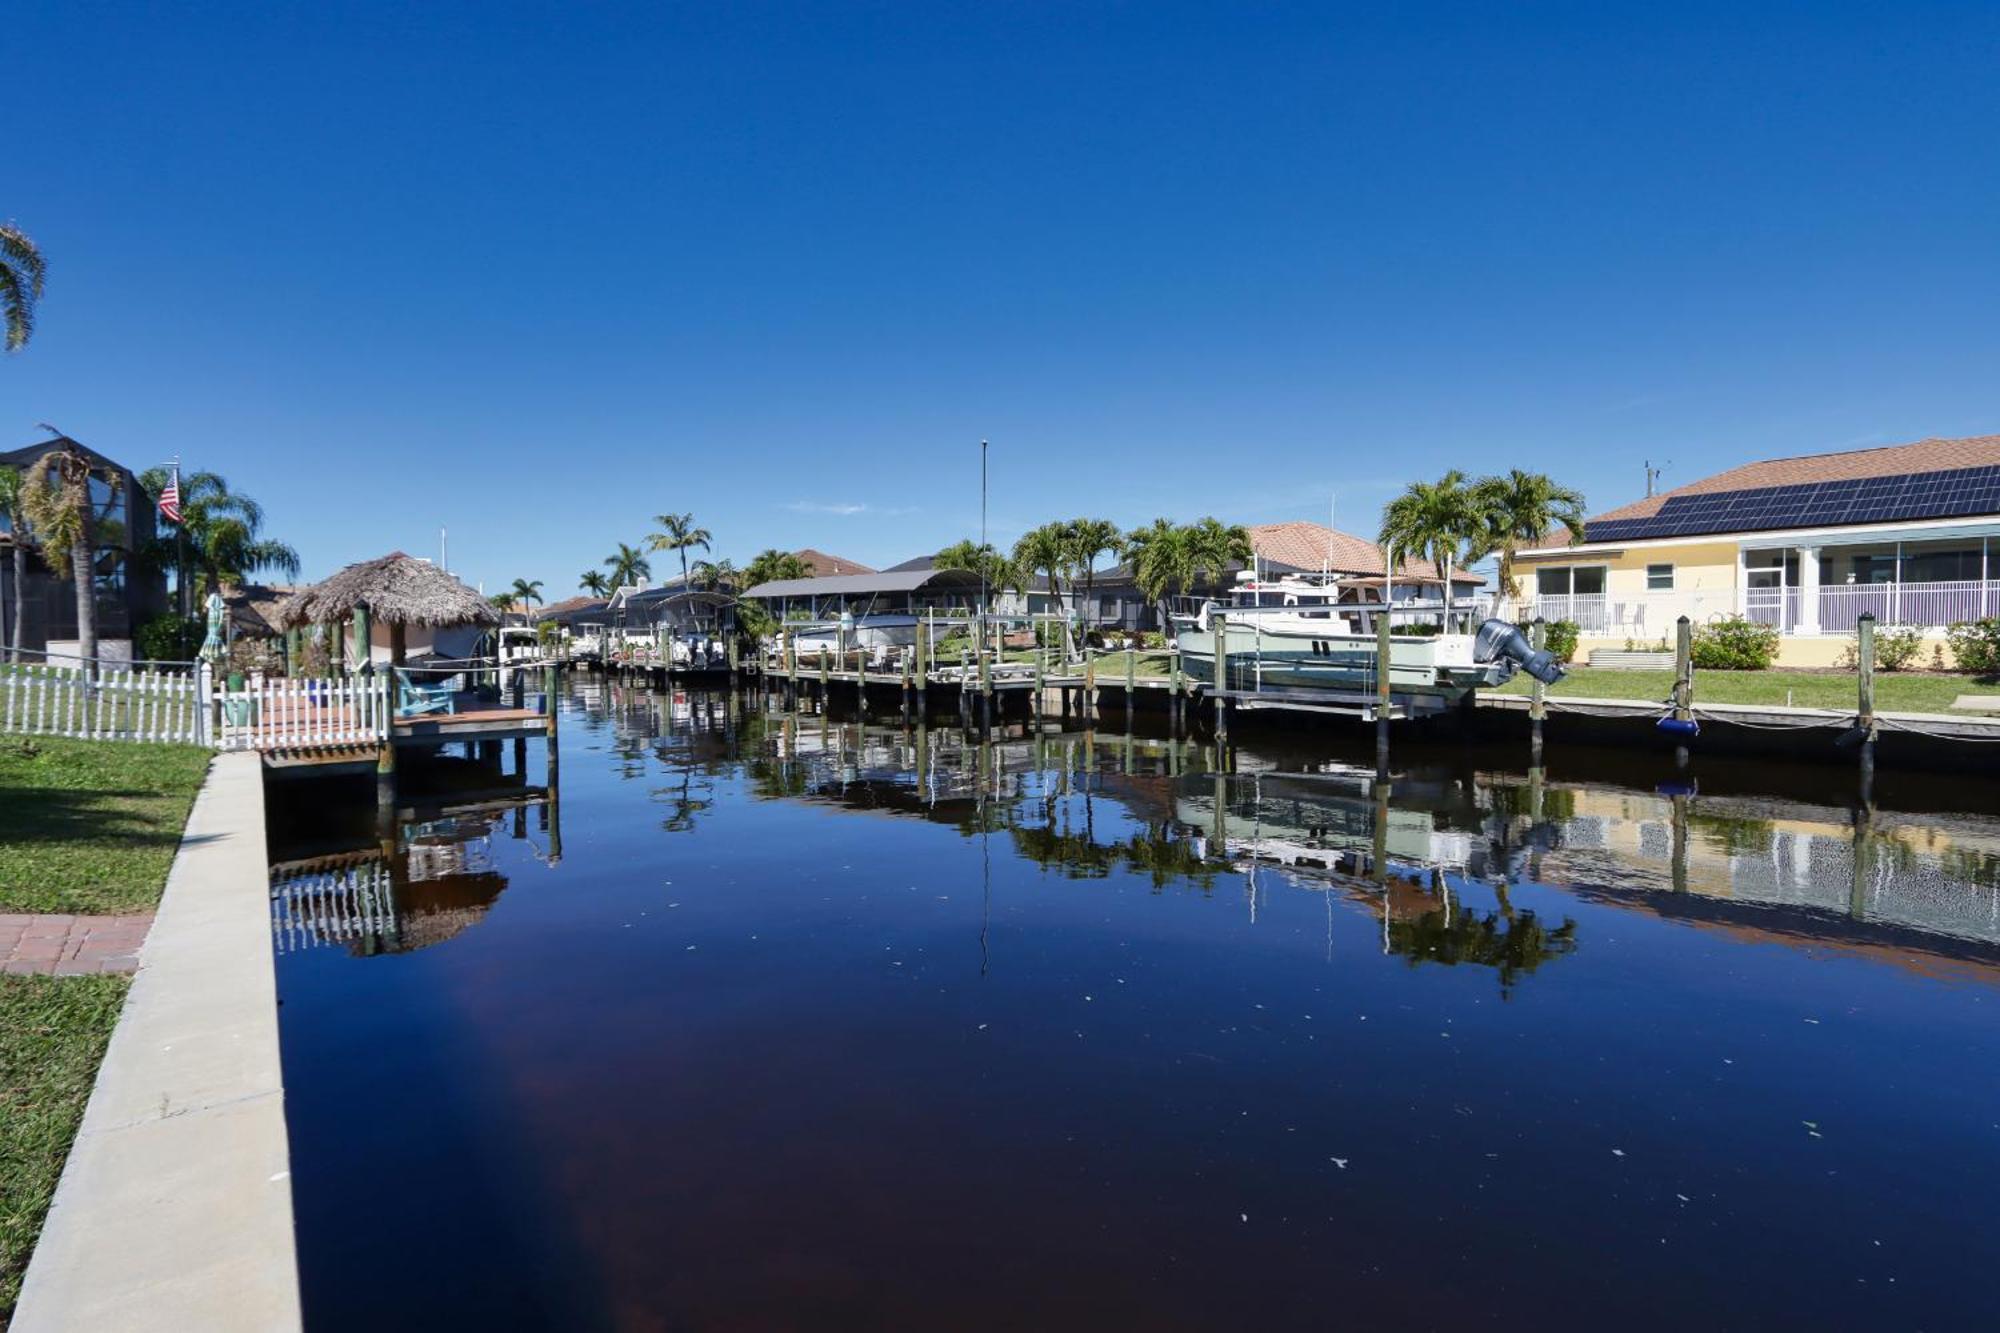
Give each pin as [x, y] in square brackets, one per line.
[414, 700]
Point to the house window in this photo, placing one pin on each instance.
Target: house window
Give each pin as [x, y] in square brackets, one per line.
[1659, 578]
[1570, 581]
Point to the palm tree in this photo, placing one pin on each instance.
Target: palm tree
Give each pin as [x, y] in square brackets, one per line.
[525, 593]
[715, 574]
[593, 582]
[627, 565]
[772, 565]
[1524, 507]
[1159, 559]
[56, 499]
[21, 274]
[1214, 546]
[995, 568]
[1046, 551]
[677, 533]
[1440, 521]
[11, 485]
[1088, 538]
[223, 532]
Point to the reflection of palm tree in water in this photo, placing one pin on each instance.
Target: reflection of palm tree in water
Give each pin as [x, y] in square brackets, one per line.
[1512, 943]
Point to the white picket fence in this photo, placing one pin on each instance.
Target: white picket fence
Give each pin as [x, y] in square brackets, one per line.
[284, 714]
[187, 707]
[118, 705]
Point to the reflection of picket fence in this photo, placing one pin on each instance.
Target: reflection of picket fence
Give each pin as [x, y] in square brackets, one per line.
[121, 704]
[333, 906]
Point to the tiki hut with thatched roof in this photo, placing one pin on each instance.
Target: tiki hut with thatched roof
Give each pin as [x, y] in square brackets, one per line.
[396, 590]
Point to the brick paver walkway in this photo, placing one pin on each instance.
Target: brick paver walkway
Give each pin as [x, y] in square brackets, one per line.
[67, 946]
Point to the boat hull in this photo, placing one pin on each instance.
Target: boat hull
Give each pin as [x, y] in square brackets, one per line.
[1439, 666]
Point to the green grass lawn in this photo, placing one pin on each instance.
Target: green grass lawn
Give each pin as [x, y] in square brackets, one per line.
[1895, 692]
[91, 826]
[53, 1031]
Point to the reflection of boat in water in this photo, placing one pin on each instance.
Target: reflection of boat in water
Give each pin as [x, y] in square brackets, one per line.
[1303, 632]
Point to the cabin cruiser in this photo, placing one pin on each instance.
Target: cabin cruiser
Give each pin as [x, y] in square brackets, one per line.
[1298, 632]
[851, 632]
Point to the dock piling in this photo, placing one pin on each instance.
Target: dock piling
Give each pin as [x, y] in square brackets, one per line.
[1864, 652]
[1537, 707]
[1221, 678]
[1382, 654]
[1683, 682]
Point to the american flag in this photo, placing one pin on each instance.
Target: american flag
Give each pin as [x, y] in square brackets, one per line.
[170, 498]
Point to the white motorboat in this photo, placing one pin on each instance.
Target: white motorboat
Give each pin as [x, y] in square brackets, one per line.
[1302, 632]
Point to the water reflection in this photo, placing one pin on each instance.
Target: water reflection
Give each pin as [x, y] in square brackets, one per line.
[824, 1022]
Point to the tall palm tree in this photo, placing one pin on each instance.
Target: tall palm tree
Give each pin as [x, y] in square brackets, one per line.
[771, 565]
[1088, 538]
[1046, 551]
[1440, 521]
[525, 593]
[56, 498]
[222, 531]
[677, 533]
[11, 484]
[627, 565]
[1213, 546]
[1523, 507]
[21, 274]
[1159, 559]
[593, 582]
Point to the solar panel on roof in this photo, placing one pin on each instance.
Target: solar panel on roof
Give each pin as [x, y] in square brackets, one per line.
[1912, 495]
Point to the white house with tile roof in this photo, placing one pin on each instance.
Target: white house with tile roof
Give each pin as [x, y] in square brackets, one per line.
[1805, 544]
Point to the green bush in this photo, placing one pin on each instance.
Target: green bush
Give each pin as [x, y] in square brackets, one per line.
[1560, 638]
[170, 638]
[1734, 644]
[1897, 646]
[1975, 645]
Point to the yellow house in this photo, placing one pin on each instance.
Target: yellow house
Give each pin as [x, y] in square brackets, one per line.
[1804, 544]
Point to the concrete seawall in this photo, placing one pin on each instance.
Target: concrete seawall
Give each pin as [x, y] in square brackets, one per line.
[175, 1210]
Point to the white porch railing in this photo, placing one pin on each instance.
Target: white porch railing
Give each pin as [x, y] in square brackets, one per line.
[1651, 616]
[1930, 604]
[117, 705]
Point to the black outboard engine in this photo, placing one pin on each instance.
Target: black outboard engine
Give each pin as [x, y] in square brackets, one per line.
[1498, 640]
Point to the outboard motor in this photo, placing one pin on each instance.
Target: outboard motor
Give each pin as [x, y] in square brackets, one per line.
[1498, 640]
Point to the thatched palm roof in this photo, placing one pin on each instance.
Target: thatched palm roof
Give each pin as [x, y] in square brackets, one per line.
[397, 590]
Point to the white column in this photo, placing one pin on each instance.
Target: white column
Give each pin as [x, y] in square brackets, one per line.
[1742, 606]
[1808, 621]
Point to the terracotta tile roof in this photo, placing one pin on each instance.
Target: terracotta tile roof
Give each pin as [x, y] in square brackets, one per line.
[1304, 545]
[1923, 456]
[824, 565]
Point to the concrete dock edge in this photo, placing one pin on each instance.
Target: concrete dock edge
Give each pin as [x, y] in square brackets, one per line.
[175, 1208]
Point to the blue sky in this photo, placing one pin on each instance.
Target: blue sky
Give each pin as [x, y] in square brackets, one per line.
[538, 272]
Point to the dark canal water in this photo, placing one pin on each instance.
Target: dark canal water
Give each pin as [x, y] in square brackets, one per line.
[794, 1023]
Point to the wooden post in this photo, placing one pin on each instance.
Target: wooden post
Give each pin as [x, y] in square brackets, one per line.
[385, 782]
[1537, 707]
[985, 678]
[1221, 676]
[861, 679]
[1384, 658]
[1089, 701]
[790, 653]
[1865, 657]
[1131, 681]
[923, 661]
[1176, 682]
[1683, 681]
[363, 653]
